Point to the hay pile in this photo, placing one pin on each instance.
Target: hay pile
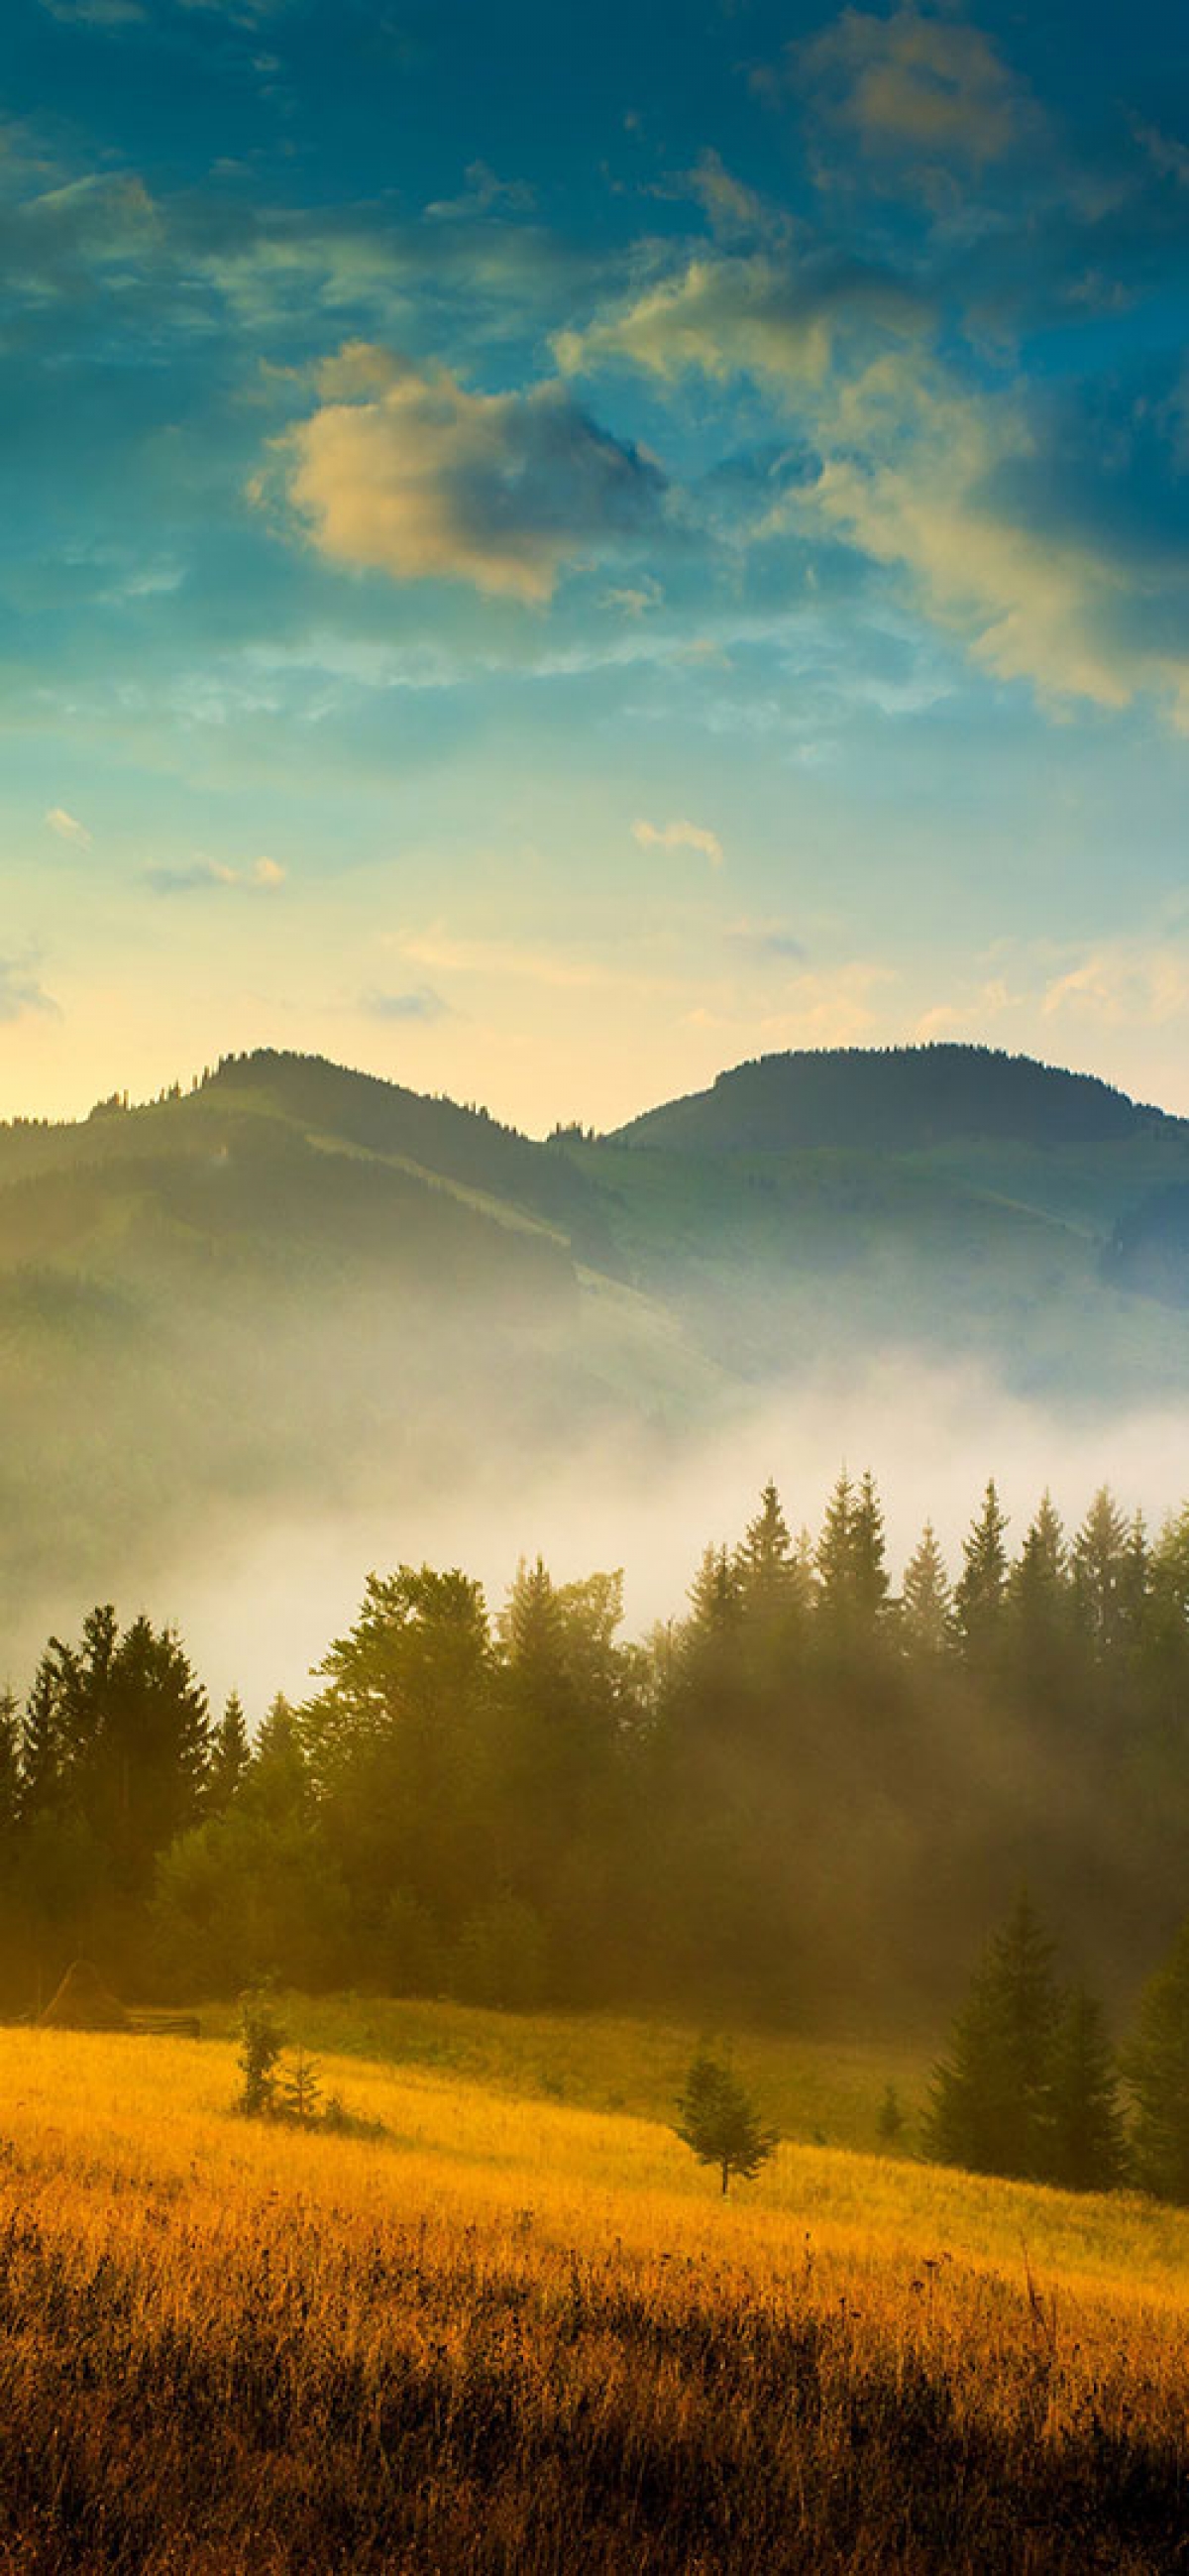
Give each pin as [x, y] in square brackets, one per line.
[82, 2002]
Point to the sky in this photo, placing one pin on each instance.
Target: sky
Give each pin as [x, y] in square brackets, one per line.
[547, 551]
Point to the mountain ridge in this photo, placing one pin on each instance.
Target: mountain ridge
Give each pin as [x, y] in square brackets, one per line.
[901, 1098]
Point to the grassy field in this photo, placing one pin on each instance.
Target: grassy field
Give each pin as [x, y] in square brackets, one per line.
[815, 2092]
[517, 2335]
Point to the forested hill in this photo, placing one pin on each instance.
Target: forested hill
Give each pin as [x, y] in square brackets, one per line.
[900, 1099]
[292, 1285]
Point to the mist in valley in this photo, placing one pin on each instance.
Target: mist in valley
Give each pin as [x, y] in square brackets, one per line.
[358, 1458]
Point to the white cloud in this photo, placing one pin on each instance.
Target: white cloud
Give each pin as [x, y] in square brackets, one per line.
[267, 873]
[679, 836]
[68, 827]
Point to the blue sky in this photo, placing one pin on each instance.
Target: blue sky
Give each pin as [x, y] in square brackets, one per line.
[547, 552]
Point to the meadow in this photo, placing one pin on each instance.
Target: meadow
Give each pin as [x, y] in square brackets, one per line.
[513, 2333]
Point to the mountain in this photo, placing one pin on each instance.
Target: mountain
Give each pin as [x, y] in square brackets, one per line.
[897, 1099]
[296, 1286]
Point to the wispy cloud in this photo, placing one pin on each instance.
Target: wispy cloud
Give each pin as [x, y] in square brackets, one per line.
[768, 942]
[421, 1003]
[483, 194]
[21, 996]
[679, 836]
[773, 318]
[1124, 983]
[212, 876]
[110, 15]
[68, 827]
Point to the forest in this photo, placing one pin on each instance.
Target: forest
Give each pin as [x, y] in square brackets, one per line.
[804, 1801]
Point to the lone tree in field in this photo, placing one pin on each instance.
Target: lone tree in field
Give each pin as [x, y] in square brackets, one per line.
[716, 2118]
[261, 2043]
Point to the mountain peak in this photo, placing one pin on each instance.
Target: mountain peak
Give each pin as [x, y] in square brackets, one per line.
[898, 1099]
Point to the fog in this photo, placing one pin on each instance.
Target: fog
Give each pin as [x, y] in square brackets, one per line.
[258, 1592]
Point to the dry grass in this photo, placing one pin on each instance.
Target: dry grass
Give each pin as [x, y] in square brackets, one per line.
[519, 2337]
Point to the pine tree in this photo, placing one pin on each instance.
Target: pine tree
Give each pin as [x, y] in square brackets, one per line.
[714, 1597]
[980, 1589]
[834, 1555]
[1039, 1616]
[991, 2096]
[1087, 2139]
[1156, 2065]
[10, 1764]
[868, 1555]
[1099, 1568]
[716, 2118]
[231, 1754]
[926, 1602]
[852, 1574]
[768, 1575]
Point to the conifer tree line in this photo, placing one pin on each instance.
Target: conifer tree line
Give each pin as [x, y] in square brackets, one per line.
[1030, 2085]
[804, 1799]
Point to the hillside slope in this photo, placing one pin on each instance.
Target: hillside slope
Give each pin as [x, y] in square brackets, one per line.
[296, 1284]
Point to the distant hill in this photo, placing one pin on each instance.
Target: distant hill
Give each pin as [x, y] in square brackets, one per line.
[899, 1099]
[296, 1285]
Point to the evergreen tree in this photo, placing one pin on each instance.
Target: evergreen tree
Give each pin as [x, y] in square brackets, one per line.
[714, 1599]
[1099, 1570]
[117, 1734]
[868, 1554]
[276, 1783]
[42, 1753]
[991, 2096]
[852, 1573]
[981, 1586]
[926, 1602]
[1087, 2140]
[769, 1574]
[1039, 1617]
[231, 1754]
[716, 2118]
[1156, 2065]
[10, 1766]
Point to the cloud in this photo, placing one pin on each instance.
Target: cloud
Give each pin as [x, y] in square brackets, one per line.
[483, 195]
[106, 14]
[733, 210]
[931, 88]
[21, 996]
[422, 1003]
[211, 876]
[760, 316]
[1168, 156]
[427, 481]
[950, 485]
[679, 836]
[768, 942]
[63, 242]
[1124, 983]
[68, 827]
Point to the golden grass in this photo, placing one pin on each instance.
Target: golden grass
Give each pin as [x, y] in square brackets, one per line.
[515, 2335]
